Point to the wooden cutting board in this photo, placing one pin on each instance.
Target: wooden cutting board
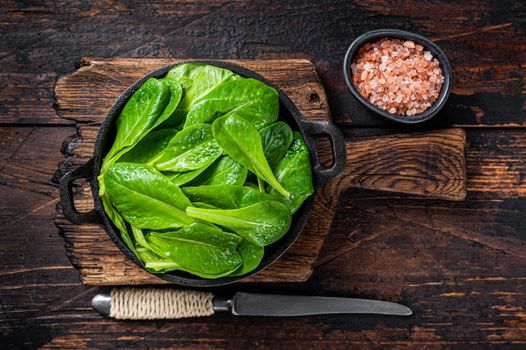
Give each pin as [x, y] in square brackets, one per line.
[430, 164]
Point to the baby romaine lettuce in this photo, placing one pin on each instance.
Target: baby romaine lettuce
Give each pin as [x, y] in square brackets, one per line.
[149, 106]
[276, 139]
[249, 98]
[251, 256]
[190, 149]
[294, 173]
[179, 180]
[199, 249]
[226, 196]
[241, 141]
[149, 147]
[262, 223]
[224, 170]
[145, 197]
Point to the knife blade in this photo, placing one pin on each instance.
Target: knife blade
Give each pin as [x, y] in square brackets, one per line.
[152, 303]
[251, 304]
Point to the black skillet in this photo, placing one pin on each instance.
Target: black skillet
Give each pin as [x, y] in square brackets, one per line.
[106, 136]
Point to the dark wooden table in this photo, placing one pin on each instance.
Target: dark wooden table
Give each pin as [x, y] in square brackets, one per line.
[461, 266]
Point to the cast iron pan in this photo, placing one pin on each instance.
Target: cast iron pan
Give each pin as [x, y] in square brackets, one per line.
[106, 136]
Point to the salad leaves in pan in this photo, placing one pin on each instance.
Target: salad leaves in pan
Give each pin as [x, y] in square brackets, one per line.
[202, 174]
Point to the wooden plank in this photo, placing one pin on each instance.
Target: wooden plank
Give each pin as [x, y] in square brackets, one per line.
[27, 98]
[495, 163]
[28, 200]
[487, 54]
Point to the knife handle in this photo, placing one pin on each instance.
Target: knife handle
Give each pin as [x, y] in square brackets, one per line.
[154, 303]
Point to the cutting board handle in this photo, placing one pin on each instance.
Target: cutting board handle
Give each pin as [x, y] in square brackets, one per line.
[429, 164]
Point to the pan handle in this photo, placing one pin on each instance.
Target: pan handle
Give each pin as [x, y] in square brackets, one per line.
[339, 155]
[66, 196]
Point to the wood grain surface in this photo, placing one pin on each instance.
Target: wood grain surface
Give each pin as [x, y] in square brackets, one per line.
[460, 265]
[429, 164]
[483, 40]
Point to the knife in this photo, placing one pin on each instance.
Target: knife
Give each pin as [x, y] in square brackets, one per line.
[161, 303]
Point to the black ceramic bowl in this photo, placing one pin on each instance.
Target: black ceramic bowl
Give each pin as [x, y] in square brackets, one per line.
[400, 34]
[106, 136]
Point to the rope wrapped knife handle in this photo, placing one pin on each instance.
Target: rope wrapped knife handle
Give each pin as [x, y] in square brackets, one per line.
[159, 303]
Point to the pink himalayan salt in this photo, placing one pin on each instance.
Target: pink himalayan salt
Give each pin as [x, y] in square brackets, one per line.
[397, 76]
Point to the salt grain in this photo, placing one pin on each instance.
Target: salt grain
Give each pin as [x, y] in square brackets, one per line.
[397, 76]
[409, 44]
[428, 56]
[364, 75]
